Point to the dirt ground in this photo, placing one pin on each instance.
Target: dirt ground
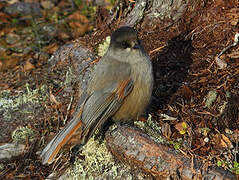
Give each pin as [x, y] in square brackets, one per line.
[194, 87]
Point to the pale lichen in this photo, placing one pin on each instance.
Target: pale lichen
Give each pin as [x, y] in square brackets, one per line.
[21, 134]
[98, 162]
[210, 98]
[102, 48]
[151, 128]
[1, 166]
[69, 78]
[30, 95]
[21, 100]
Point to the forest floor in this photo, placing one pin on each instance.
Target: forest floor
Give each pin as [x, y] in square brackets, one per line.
[196, 90]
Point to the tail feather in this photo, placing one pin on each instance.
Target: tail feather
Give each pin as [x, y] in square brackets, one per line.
[98, 107]
[51, 150]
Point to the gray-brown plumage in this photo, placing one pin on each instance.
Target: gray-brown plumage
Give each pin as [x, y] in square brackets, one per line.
[120, 88]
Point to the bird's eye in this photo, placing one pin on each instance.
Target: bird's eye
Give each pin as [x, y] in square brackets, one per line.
[125, 45]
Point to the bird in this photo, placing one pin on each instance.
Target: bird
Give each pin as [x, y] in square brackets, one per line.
[120, 89]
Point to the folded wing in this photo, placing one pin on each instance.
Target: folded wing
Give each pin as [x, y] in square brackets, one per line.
[94, 111]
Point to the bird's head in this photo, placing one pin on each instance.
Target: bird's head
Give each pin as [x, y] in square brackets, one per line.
[125, 39]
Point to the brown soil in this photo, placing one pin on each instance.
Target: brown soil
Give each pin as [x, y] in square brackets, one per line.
[185, 72]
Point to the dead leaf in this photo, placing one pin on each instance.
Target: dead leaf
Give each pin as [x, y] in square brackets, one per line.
[53, 99]
[47, 4]
[80, 23]
[234, 54]
[234, 137]
[51, 48]
[76, 24]
[28, 66]
[4, 86]
[9, 63]
[4, 18]
[166, 130]
[234, 22]
[12, 1]
[233, 16]
[186, 92]
[81, 31]
[63, 35]
[227, 141]
[143, 119]
[221, 141]
[203, 80]
[77, 16]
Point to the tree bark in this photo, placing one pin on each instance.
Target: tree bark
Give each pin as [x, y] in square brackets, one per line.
[133, 146]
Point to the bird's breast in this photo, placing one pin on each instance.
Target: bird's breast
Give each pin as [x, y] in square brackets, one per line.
[136, 102]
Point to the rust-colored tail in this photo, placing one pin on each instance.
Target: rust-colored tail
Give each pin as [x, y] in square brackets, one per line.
[73, 129]
[98, 107]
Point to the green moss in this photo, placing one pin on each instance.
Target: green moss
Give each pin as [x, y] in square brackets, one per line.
[235, 167]
[176, 144]
[14, 21]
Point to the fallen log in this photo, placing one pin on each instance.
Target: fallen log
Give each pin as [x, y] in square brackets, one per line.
[133, 146]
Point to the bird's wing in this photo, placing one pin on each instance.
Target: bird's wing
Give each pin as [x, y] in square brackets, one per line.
[100, 106]
[108, 71]
[96, 109]
[109, 85]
